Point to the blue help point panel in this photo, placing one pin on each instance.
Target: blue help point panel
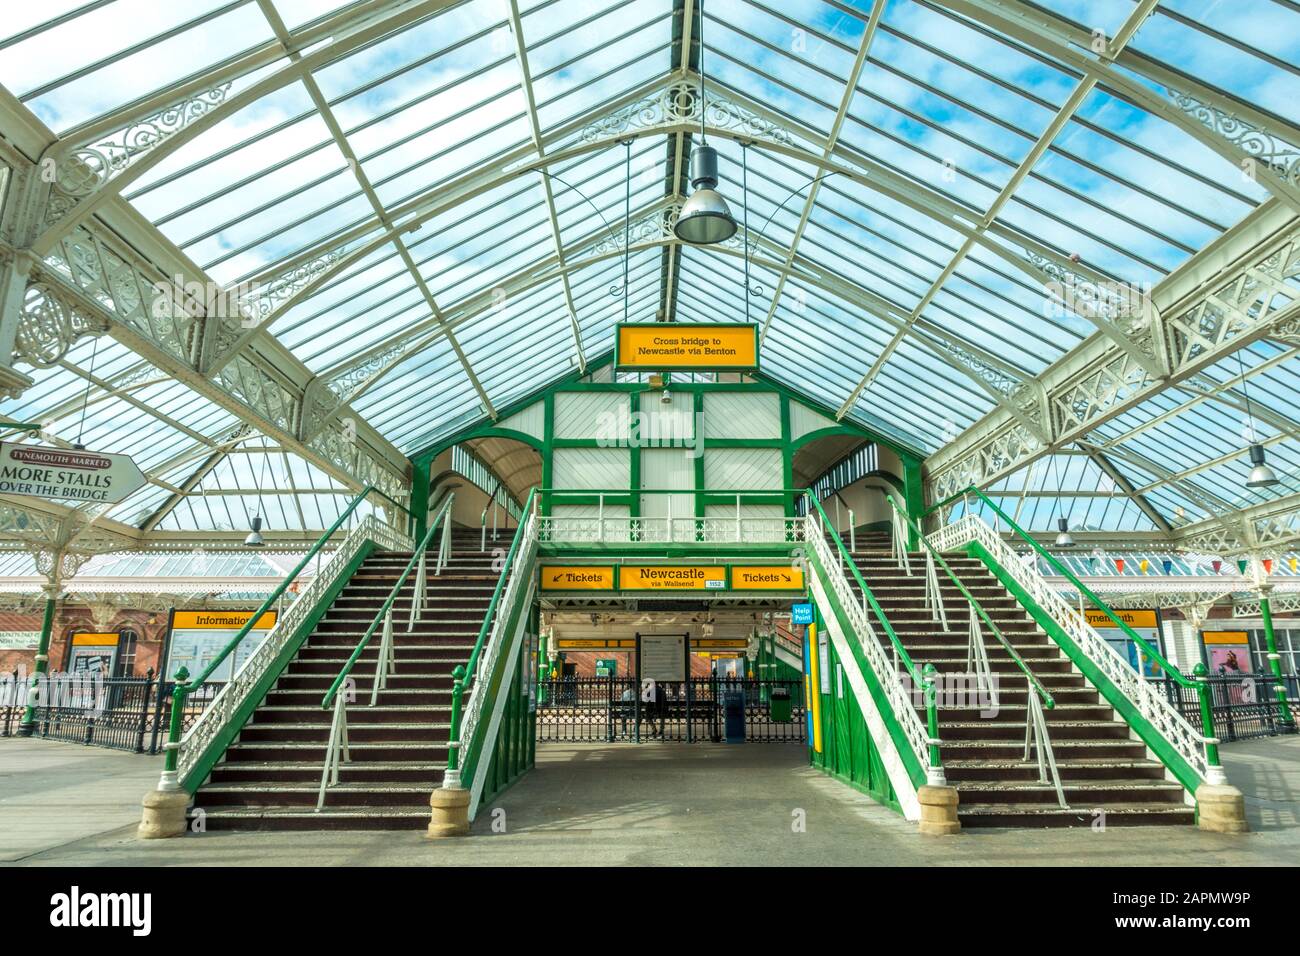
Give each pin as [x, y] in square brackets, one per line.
[801, 614]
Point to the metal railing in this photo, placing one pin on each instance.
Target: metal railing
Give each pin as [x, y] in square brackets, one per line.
[610, 710]
[119, 713]
[1199, 750]
[1037, 741]
[184, 755]
[923, 740]
[676, 525]
[1243, 706]
[336, 750]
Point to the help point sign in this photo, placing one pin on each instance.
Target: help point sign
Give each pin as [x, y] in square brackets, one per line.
[65, 474]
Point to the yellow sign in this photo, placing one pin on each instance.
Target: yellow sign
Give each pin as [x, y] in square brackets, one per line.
[577, 578]
[220, 620]
[593, 644]
[715, 643]
[1224, 637]
[636, 577]
[671, 345]
[95, 640]
[777, 577]
[1130, 617]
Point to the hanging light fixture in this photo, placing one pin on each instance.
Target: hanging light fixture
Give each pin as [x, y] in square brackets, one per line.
[1063, 537]
[705, 218]
[1261, 475]
[255, 539]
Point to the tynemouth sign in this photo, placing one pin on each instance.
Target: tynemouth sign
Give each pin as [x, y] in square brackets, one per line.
[66, 474]
[671, 577]
[674, 346]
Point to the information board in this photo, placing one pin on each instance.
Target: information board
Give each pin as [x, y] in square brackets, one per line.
[198, 637]
[671, 346]
[663, 656]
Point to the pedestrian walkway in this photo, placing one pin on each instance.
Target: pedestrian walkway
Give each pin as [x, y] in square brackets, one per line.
[53, 794]
[624, 804]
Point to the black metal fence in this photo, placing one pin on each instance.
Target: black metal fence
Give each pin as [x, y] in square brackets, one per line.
[1244, 705]
[610, 709]
[121, 713]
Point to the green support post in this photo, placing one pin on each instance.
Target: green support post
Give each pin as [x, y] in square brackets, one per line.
[172, 748]
[419, 497]
[1216, 774]
[934, 773]
[913, 497]
[1275, 661]
[453, 744]
[27, 724]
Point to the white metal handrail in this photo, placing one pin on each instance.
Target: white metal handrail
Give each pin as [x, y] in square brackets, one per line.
[898, 542]
[667, 529]
[1038, 743]
[228, 702]
[977, 660]
[887, 672]
[1146, 698]
[385, 665]
[934, 594]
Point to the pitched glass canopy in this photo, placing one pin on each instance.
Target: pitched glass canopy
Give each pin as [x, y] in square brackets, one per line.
[441, 193]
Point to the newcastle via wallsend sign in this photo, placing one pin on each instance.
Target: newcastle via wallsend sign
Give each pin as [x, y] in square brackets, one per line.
[66, 474]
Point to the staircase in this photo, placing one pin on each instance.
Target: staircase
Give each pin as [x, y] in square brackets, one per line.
[270, 777]
[1103, 767]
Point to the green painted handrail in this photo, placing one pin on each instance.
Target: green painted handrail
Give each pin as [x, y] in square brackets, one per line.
[462, 673]
[443, 515]
[1070, 576]
[1197, 683]
[1048, 702]
[184, 685]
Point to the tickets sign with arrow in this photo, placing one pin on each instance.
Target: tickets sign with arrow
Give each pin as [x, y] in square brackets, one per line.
[67, 474]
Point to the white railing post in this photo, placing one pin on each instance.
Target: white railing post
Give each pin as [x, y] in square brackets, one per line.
[417, 594]
[853, 533]
[900, 543]
[1036, 736]
[600, 519]
[384, 662]
[336, 751]
[670, 518]
[444, 552]
[738, 517]
[977, 658]
[933, 595]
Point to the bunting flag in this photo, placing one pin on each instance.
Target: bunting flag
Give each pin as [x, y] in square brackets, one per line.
[1093, 564]
[1293, 564]
[1167, 565]
[1268, 565]
[1242, 564]
[1119, 565]
[1216, 564]
[1143, 565]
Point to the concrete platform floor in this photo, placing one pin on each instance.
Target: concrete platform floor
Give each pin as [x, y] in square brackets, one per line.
[653, 804]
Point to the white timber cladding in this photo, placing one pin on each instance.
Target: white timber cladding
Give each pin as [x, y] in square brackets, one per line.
[666, 424]
[742, 469]
[591, 469]
[746, 511]
[804, 420]
[742, 415]
[592, 415]
[531, 421]
[663, 469]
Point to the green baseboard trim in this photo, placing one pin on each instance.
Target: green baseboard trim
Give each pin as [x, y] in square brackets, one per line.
[875, 795]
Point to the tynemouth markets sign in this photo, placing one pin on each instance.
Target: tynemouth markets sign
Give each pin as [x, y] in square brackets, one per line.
[673, 346]
[65, 474]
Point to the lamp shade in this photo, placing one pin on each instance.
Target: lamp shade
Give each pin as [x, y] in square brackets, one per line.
[255, 539]
[1063, 537]
[705, 217]
[1261, 476]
